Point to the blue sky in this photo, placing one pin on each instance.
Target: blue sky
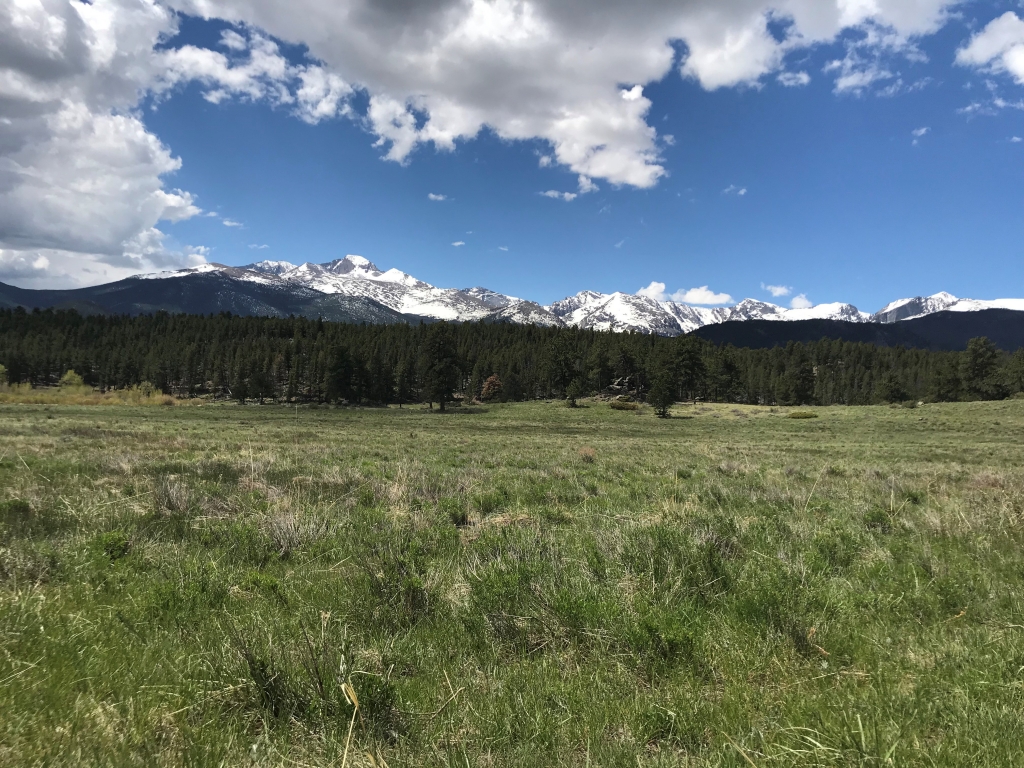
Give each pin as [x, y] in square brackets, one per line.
[911, 184]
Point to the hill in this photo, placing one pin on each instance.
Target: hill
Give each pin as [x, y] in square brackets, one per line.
[942, 331]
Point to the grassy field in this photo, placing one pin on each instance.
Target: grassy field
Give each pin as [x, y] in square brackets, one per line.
[521, 585]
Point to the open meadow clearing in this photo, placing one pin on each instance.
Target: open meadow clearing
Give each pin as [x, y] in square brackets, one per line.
[512, 585]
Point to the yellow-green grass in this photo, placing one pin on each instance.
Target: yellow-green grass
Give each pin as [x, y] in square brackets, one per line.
[519, 585]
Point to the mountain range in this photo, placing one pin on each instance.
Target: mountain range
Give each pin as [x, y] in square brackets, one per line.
[353, 289]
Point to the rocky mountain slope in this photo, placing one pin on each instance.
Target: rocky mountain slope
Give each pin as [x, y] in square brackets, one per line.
[354, 289]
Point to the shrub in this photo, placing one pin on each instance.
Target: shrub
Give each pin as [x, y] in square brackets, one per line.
[114, 544]
[454, 509]
[71, 379]
[623, 405]
[492, 388]
[801, 415]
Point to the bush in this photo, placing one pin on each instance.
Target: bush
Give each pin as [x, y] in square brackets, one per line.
[114, 544]
[801, 415]
[71, 379]
[623, 405]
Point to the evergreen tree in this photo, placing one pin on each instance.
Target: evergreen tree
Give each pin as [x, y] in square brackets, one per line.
[892, 389]
[573, 392]
[440, 363]
[662, 395]
[979, 369]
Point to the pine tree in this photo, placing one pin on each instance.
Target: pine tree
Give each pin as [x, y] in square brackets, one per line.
[979, 367]
[440, 364]
[662, 394]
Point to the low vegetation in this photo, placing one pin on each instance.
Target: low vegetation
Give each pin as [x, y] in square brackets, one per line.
[511, 585]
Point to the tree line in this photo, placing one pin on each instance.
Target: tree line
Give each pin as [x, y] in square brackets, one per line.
[258, 359]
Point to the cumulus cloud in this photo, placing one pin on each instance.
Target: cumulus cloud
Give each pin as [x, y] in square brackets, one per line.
[82, 182]
[998, 48]
[702, 295]
[801, 302]
[1016, 139]
[654, 291]
[458, 243]
[777, 290]
[794, 79]
[556, 195]
[560, 63]
[436, 198]
[231, 223]
[80, 173]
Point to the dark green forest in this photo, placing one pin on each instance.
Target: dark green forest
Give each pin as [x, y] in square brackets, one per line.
[254, 359]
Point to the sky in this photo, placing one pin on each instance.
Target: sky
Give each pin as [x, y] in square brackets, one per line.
[705, 151]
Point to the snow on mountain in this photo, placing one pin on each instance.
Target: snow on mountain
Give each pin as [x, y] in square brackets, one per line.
[200, 270]
[356, 276]
[975, 305]
[491, 298]
[905, 309]
[270, 267]
[834, 311]
[908, 309]
[628, 312]
[616, 312]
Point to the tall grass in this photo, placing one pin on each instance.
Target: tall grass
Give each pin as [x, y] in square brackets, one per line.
[525, 585]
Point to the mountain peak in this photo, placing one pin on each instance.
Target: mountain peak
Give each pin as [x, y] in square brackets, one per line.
[269, 267]
[351, 263]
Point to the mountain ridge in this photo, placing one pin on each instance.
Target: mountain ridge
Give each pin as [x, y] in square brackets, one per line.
[354, 289]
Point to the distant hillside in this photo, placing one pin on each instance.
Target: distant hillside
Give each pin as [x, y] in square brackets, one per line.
[948, 331]
[204, 294]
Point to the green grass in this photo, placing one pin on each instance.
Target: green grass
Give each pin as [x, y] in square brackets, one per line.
[523, 585]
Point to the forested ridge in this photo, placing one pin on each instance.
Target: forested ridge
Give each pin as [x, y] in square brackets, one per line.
[302, 360]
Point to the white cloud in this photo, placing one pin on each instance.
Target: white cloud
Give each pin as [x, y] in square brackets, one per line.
[231, 223]
[794, 79]
[80, 173]
[801, 302]
[556, 195]
[560, 63]
[777, 290]
[654, 291]
[998, 48]
[436, 198]
[256, 247]
[702, 295]
[587, 185]
[1016, 139]
[458, 243]
[919, 132]
[82, 182]
[502, 247]
[732, 189]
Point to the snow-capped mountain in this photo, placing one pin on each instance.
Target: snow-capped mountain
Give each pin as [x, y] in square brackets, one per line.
[908, 309]
[392, 295]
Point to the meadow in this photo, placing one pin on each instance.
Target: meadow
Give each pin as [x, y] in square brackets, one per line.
[511, 585]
